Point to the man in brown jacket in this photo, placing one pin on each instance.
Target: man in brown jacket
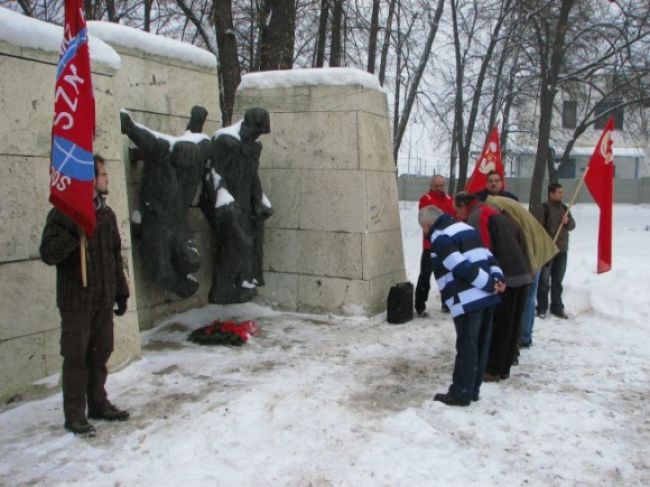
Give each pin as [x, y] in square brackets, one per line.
[87, 312]
[553, 216]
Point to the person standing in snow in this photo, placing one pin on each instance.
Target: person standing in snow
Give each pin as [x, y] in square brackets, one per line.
[436, 196]
[87, 312]
[553, 216]
[469, 281]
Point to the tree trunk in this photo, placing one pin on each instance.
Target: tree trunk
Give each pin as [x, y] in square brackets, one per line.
[321, 38]
[547, 97]
[27, 8]
[386, 42]
[229, 71]
[88, 9]
[337, 25]
[147, 15]
[464, 150]
[277, 34]
[372, 41]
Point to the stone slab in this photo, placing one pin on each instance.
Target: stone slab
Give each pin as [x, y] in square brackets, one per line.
[332, 200]
[322, 98]
[382, 205]
[382, 253]
[375, 143]
[27, 299]
[20, 236]
[22, 360]
[314, 252]
[280, 290]
[282, 187]
[321, 140]
[157, 87]
[321, 294]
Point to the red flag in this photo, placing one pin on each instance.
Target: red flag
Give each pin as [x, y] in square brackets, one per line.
[599, 178]
[490, 160]
[72, 170]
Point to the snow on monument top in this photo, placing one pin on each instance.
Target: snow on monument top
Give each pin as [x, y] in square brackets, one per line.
[310, 77]
[23, 31]
[124, 36]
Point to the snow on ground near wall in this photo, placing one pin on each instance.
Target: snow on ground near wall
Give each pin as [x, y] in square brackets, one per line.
[327, 400]
[310, 77]
[23, 31]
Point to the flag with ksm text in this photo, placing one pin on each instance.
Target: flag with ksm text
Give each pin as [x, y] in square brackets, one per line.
[72, 171]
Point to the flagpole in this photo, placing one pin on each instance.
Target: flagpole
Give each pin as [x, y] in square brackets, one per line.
[573, 200]
[82, 256]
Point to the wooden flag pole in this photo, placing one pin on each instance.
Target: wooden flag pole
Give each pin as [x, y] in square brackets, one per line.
[82, 256]
[573, 200]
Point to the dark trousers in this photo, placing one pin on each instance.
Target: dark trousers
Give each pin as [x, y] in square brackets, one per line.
[424, 281]
[553, 274]
[506, 330]
[86, 345]
[473, 332]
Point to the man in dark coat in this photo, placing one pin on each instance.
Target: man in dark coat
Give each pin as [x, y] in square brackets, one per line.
[553, 216]
[87, 312]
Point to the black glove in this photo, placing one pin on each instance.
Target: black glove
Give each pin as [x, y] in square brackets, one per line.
[120, 303]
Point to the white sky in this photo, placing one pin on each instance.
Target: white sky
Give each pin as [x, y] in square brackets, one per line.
[346, 400]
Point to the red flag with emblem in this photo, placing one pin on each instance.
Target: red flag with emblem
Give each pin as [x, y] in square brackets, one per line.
[72, 170]
[599, 178]
[490, 160]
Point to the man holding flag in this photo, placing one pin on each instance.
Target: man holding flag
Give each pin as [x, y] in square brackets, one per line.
[81, 238]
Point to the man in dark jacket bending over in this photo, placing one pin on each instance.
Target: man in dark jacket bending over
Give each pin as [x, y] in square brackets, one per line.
[87, 312]
[468, 279]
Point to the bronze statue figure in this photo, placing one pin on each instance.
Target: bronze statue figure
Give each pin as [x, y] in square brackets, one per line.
[171, 176]
[233, 202]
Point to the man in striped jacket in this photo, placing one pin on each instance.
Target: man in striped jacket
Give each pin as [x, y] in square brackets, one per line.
[469, 281]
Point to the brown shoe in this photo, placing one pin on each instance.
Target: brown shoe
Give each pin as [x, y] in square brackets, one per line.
[487, 377]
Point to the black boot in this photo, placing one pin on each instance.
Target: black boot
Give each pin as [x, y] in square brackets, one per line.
[80, 427]
[450, 400]
[108, 412]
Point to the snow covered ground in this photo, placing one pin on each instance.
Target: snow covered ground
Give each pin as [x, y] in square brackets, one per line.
[323, 400]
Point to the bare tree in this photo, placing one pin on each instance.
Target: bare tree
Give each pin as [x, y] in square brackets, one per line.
[374, 30]
[229, 72]
[277, 34]
[336, 52]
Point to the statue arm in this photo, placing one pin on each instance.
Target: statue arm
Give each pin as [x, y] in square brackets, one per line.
[141, 137]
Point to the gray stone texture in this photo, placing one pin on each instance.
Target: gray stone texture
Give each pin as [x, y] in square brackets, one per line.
[334, 240]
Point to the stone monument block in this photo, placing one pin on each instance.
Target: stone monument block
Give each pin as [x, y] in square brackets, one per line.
[334, 242]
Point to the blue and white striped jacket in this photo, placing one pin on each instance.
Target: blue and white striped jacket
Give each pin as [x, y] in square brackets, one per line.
[465, 270]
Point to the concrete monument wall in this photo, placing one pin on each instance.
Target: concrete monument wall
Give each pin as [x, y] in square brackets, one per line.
[29, 320]
[334, 240]
[159, 91]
